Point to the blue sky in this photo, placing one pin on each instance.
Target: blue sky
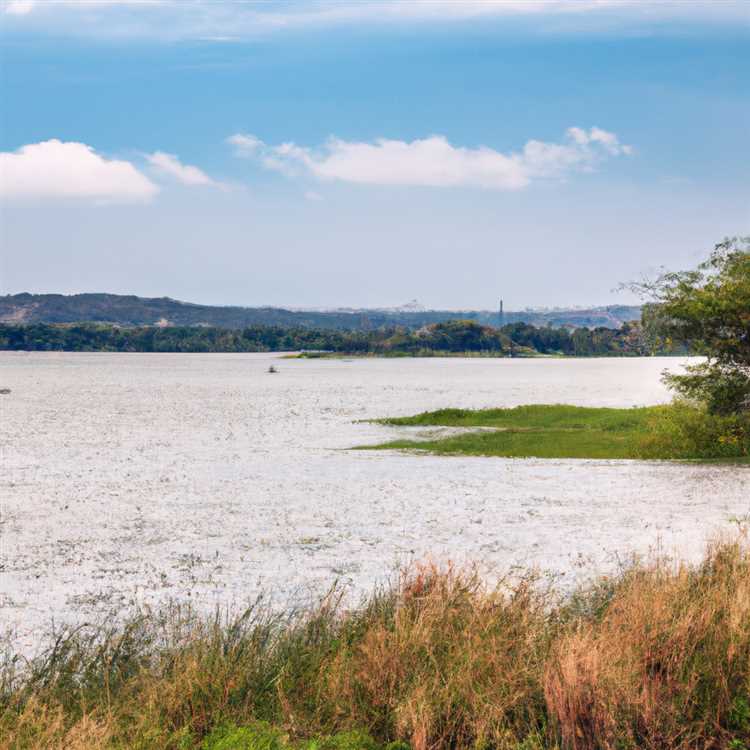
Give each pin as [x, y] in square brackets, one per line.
[365, 154]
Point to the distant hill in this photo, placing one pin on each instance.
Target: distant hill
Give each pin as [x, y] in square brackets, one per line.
[129, 310]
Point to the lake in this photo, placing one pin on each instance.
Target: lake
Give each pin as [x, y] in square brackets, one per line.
[137, 478]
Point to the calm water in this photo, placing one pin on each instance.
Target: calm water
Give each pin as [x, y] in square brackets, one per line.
[131, 478]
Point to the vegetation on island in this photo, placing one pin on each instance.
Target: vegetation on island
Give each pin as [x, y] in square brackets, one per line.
[656, 656]
[707, 311]
[452, 337]
[668, 432]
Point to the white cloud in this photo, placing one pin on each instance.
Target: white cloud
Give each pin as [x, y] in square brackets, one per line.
[18, 7]
[608, 141]
[56, 169]
[245, 144]
[229, 19]
[434, 161]
[186, 174]
[24, 7]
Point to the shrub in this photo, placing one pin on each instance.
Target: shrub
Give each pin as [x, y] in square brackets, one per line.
[683, 430]
[723, 390]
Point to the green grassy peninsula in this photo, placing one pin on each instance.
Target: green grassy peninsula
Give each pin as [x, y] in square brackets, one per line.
[673, 431]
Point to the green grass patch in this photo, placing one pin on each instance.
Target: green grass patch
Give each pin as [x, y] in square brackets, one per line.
[263, 736]
[673, 431]
[519, 353]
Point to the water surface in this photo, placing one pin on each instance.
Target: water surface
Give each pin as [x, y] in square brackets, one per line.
[132, 478]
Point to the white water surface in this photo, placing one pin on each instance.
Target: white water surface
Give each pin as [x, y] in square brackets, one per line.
[136, 478]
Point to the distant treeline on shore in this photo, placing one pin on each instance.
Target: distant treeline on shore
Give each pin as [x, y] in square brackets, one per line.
[454, 336]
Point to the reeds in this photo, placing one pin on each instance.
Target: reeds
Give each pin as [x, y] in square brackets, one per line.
[656, 657]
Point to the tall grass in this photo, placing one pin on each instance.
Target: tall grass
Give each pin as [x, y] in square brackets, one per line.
[656, 657]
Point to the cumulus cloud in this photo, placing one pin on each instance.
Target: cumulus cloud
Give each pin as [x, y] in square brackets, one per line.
[57, 169]
[24, 7]
[18, 7]
[223, 21]
[227, 19]
[245, 144]
[608, 141]
[434, 161]
[170, 165]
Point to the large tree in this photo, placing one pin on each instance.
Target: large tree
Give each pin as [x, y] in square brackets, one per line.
[708, 310]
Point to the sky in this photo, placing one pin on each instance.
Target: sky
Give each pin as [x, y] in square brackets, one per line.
[365, 154]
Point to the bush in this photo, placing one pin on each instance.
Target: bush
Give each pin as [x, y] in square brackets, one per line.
[723, 391]
[683, 430]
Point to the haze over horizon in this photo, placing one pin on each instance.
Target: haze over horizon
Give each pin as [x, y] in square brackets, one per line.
[308, 155]
[412, 305]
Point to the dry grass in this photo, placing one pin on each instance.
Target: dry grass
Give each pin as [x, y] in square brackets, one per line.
[657, 657]
[667, 665]
[456, 664]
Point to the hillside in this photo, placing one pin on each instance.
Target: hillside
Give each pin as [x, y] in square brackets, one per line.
[129, 310]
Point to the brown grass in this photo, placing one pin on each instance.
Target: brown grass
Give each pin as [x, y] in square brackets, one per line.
[665, 666]
[457, 664]
[657, 657]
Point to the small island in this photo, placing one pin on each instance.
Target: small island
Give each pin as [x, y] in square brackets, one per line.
[705, 310]
[669, 432]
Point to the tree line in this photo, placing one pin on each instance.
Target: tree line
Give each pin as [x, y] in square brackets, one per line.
[453, 336]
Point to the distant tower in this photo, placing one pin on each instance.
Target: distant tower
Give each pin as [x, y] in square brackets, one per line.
[501, 315]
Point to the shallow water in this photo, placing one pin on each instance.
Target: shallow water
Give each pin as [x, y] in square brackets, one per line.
[134, 478]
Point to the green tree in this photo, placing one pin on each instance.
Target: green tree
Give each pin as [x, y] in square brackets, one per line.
[708, 310]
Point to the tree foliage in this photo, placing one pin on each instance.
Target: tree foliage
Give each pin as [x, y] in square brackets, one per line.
[708, 310]
[447, 337]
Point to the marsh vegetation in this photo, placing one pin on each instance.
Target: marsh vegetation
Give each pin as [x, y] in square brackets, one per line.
[673, 431]
[656, 656]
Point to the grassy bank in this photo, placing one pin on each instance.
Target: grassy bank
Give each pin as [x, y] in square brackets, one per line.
[657, 657]
[673, 431]
[519, 353]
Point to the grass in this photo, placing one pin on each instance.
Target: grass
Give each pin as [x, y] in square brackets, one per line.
[674, 431]
[521, 352]
[655, 657]
[263, 736]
